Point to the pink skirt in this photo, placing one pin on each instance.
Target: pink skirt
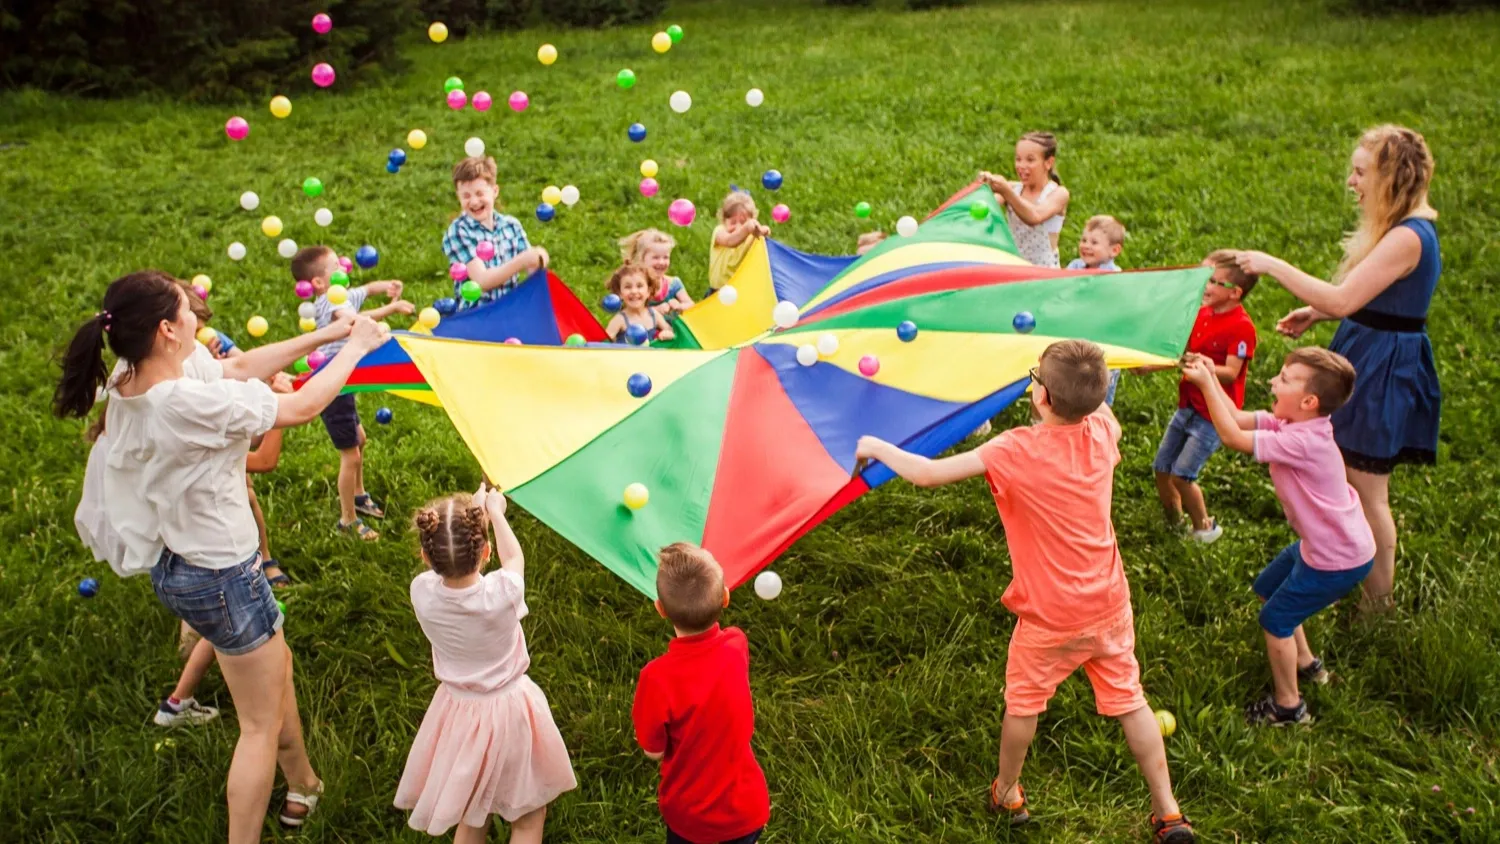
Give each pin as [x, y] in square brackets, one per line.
[478, 755]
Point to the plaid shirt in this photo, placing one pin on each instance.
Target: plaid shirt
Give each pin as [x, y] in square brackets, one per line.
[466, 233]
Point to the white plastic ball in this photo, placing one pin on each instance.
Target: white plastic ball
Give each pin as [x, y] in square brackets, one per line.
[807, 354]
[306, 310]
[754, 97]
[323, 216]
[236, 251]
[681, 102]
[474, 147]
[728, 295]
[767, 585]
[287, 248]
[570, 195]
[249, 201]
[827, 344]
[906, 226]
[784, 314]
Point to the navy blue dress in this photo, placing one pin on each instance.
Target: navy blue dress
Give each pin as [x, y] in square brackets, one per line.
[1392, 417]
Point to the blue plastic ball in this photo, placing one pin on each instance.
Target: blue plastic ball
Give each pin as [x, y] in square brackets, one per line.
[88, 587]
[545, 212]
[907, 331]
[398, 156]
[639, 384]
[366, 256]
[1024, 322]
[636, 334]
[392, 167]
[637, 132]
[611, 302]
[446, 306]
[383, 416]
[771, 180]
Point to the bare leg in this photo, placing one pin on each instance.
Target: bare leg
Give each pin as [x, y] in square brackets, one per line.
[1171, 502]
[1192, 502]
[1283, 655]
[466, 834]
[187, 637]
[360, 470]
[350, 472]
[199, 660]
[528, 828]
[1305, 656]
[1143, 735]
[1375, 496]
[291, 753]
[1016, 734]
[260, 520]
[257, 683]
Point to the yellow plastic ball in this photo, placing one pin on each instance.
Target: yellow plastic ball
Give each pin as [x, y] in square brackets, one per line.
[416, 139]
[547, 54]
[429, 318]
[419, 328]
[438, 32]
[204, 282]
[636, 496]
[257, 326]
[338, 294]
[551, 195]
[661, 42]
[271, 226]
[281, 106]
[206, 335]
[307, 325]
[648, 169]
[1166, 721]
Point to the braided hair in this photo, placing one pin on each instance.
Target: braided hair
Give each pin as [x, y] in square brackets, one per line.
[453, 534]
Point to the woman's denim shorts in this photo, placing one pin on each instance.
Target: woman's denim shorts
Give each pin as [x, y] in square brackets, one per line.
[232, 608]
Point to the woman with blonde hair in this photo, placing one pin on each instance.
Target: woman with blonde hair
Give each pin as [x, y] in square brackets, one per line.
[1381, 291]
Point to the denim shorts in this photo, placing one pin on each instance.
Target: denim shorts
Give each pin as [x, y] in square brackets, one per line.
[1187, 444]
[1294, 591]
[1114, 384]
[232, 608]
[341, 419]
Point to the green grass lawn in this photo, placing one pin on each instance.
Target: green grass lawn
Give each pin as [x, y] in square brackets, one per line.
[879, 672]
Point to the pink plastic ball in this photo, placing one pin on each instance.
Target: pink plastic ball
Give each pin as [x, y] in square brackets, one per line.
[485, 250]
[781, 213]
[519, 101]
[457, 271]
[482, 101]
[316, 359]
[202, 293]
[322, 74]
[514, 341]
[237, 128]
[457, 98]
[682, 212]
[304, 290]
[869, 365]
[347, 264]
[649, 187]
[322, 23]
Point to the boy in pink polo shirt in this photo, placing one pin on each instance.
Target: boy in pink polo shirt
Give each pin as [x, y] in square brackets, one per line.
[1335, 548]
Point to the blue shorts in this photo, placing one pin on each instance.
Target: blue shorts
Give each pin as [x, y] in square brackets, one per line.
[1294, 591]
[232, 608]
[341, 418]
[1187, 444]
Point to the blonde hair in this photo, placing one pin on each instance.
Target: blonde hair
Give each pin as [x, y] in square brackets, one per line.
[634, 245]
[1075, 377]
[1395, 188]
[1112, 229]
[452, 533]
[1332, 379]
[689, 586]
[1048, 142]
[737, 201]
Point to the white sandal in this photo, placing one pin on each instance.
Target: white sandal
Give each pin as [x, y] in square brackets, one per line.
[309, 801]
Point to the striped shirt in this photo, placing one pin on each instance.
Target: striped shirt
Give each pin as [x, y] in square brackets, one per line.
[465, 235]
[323, 314]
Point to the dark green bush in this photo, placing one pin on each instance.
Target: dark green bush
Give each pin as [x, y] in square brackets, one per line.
[1414, 7]
[933, 4]
[464, 15]
[849, 2]
[596, 13]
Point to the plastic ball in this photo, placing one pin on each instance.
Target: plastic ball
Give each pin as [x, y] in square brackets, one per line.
[729, 294]
[307, 324]
[906, 226]
[862, 210]
[552, 194]
[869, 365]
[203, 281]
[636, 334]
[280, 106]
[636, 495]
[784, 314]
[419, 328]
[457, 99]
[569, 195]
[416, 139]
[236, 251]
[301, 366]
[767, 585]
[392, 167]
[771, 180]
[661, 42]
[249, 201]
[780, 213]
[611, 302]
[270, 226]
[1023, 322]
[257, 326]
[438, 32]
[337, 294]
[828, 344]
[366, 256]
[649, 187]
[307, 310]
[452, 83]
[483, 101]
[485, 250]
[323, 217]
[237, 128]
[574, 340]
[280, 606]
[206, 335]
[474, 147]
[383, 416]
[519, 101]
[680, 102]
[341, 275]
[429, 317]
[807, 354]
[513, 341]
[322, 23]
[200, 291]
[312, 186]
[1167, 721]
[304, 290]
[287, 248]
[637, 132]
[471, 291]
[978, 210]
[546, 54]
[545, 212]
[682, 212]
[754, 97]
[316, 359]
[625, 79]
[323, 75]
[674, 32]
[398, 155]
[88, 587]
[906, 331]
[457, 271]
[446, 305]
[649, 168]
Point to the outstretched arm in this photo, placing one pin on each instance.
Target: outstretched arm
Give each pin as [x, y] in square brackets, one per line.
[507, 547]
[263, 362]
[919, 470]
[1393, 257]
[1031, 213]
[1233, 425]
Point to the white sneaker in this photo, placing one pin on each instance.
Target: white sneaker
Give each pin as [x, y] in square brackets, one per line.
[190, 713]
[983, 430]
[1208, 537]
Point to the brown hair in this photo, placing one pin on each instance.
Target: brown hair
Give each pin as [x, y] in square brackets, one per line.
[305, 262]
[1048, 142]
[133, 309]
[1395, 188]
[689, 586]
[737, 201]
[473, 168]
[198, 306]
[617, 279]
[1112, 229]
[1224, 259]
[452, 533]
[1075, 377]
[1332, 378]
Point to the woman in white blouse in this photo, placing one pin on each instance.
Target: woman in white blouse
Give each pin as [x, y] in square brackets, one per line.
[175, 489]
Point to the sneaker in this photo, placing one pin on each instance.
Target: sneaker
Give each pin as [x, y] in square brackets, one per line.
[983, 430]
[1176, 829]
[1209, 536]
[188, 713]
[1314, 673]
[1266, 711]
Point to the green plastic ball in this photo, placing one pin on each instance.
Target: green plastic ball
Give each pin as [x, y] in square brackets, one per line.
[470, 291]
[281, 606]
[312, 186]
[979, 210]
[574, 340]
[625, 79]
[301, 365]
[453, 84]
[674, 32]
[339, 277]
[862, 210]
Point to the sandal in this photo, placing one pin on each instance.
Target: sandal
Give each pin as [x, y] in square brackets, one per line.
[1173, 829]
[1017, 810]
[280, 578]
[360, 529]
[309, 802]
[366, 506]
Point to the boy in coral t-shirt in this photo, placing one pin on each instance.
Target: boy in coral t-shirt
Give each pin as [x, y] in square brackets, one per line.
[1053, 483]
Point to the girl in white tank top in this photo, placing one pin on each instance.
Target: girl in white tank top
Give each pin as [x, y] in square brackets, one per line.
[1035, 206]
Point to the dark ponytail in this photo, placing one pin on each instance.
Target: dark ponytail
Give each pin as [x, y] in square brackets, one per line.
[134, 306]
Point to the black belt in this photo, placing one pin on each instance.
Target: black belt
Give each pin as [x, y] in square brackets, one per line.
[1388, 322]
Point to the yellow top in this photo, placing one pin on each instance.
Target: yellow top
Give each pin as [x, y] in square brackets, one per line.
[724, 260]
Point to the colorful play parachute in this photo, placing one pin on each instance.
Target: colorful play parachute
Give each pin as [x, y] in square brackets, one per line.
[745, 449]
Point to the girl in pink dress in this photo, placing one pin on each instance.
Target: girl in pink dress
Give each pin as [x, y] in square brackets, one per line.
[488, 745]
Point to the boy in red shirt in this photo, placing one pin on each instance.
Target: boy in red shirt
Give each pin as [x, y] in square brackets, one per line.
[1053, 483]
[693, 711]
[1225, 335]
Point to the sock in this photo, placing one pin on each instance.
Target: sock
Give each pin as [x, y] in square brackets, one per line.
[177, 705]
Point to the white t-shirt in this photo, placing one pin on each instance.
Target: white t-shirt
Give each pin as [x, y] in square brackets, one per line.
[1035, 242]
[174, 475]
[476, 636]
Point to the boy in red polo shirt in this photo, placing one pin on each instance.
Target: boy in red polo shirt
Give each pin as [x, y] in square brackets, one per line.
[693, 711]
[1225, 335]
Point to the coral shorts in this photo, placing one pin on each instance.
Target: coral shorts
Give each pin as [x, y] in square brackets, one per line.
[1040, 659]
